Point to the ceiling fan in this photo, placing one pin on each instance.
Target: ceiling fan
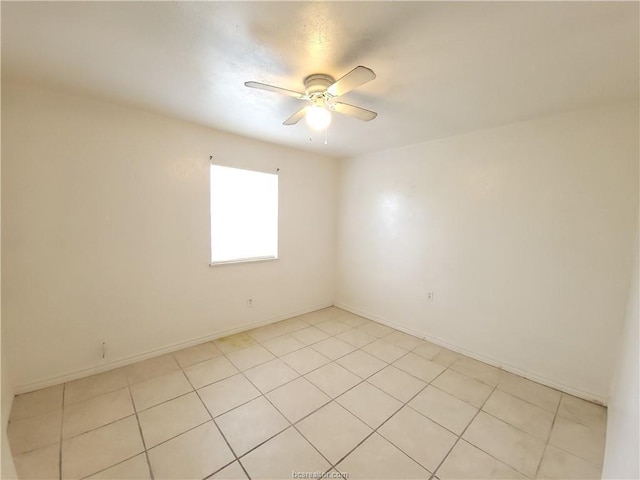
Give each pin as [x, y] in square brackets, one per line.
[322, 90]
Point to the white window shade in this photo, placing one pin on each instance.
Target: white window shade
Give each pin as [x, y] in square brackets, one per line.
[244, 215]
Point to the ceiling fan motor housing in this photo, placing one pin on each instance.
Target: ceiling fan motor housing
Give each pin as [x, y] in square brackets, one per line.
[316, 85]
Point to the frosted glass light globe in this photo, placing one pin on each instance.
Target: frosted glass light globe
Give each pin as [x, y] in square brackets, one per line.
[318, 118]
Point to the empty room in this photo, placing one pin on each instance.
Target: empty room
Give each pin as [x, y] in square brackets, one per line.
[320, 240]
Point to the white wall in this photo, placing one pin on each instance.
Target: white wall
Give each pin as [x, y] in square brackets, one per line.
[106, 233]
[623, 439]
[7, 468]
[524, 233]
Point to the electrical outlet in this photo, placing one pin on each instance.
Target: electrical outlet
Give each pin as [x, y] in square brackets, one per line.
[103, 350]
[430, 295]
[250, 303]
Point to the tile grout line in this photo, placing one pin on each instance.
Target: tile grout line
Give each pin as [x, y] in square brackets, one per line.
[489, 414]
[509, 425]
[524, 399]
[217, 428]
[92, 430]
[283, 416]
[144, 444]
[127, 416]
[195, 390]
[294, 425]
[331, 360]
[310, 345]
[120, 462]
[222, 353]
[301, 376]
[168, 400]
[480, 409]
[573, 420]
[519, 430]
[64, 387]
[263, 394]
[598, 465]
[175, 436]
[107, 424]
[375, 430]
[553, 423]
[463, 432]
[225, 466]
[308, 414]
[111, 422]
[180, 368]
[403, 404]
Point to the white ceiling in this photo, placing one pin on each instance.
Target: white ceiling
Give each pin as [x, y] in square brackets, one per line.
[443, 68]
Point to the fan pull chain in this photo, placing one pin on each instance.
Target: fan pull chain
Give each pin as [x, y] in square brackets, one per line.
[326, 136]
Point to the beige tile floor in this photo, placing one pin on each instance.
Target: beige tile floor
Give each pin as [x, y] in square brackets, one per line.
[328, 391]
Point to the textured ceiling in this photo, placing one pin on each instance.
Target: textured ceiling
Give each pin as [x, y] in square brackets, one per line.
[443, 68]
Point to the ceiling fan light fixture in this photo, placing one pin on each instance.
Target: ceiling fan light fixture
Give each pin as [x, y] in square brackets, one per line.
[321, 90]
[318, 117]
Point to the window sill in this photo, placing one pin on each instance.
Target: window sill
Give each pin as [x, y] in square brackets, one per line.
[242, 260]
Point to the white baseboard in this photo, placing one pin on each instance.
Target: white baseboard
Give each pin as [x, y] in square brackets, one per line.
[70, 376]
[591, 397]
[75, 375]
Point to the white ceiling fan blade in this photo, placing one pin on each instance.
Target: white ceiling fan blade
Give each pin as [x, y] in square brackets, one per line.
[352, 111]
[271, 88]
[296, 117]
[356, 77]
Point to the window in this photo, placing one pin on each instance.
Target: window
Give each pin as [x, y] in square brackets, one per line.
[244, 215]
